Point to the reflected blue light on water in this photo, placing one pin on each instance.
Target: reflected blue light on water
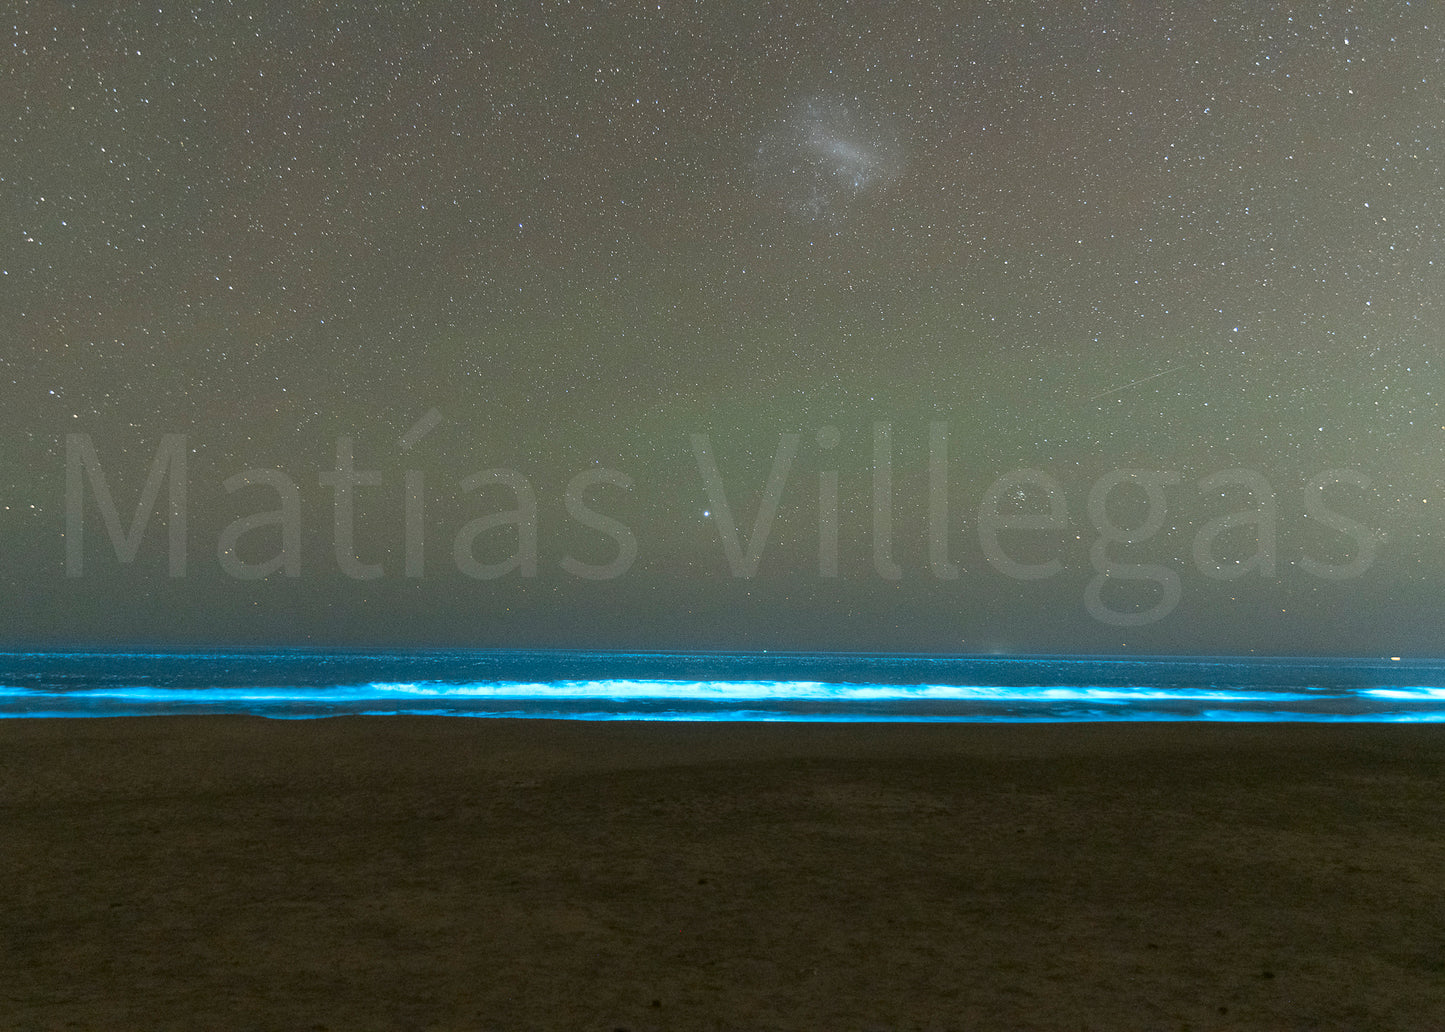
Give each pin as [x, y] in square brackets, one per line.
[299, 683]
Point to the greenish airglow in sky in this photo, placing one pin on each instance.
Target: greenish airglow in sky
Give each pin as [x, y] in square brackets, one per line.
[1198, 240]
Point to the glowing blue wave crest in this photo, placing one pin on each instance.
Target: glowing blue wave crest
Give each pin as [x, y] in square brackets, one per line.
[601, 686]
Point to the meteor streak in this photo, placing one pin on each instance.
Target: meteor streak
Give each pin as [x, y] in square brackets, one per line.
[1134, 383]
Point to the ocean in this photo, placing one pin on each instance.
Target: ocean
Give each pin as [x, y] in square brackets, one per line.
[310, 683]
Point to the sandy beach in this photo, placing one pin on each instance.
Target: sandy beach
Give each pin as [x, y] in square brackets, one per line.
[434, 873]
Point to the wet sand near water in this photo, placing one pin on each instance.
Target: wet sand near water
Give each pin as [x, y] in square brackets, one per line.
[444, 873]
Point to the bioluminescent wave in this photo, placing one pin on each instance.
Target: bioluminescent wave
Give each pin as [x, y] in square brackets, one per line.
[302, 683]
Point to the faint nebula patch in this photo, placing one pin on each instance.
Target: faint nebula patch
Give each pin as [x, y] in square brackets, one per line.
[825, 158]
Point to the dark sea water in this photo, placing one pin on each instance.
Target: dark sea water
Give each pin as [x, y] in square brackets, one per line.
[300, 683]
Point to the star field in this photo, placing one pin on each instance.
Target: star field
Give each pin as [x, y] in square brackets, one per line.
[1085, 237]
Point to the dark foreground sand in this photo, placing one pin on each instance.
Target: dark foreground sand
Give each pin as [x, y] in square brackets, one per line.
[416, 873]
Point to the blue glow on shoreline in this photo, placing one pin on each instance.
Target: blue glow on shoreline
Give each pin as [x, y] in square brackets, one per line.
[690, 690]
[304, 684]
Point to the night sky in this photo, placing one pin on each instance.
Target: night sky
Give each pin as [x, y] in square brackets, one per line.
[549, 272]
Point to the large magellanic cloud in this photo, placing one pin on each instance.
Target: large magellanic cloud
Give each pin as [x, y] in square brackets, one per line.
[824, 158]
